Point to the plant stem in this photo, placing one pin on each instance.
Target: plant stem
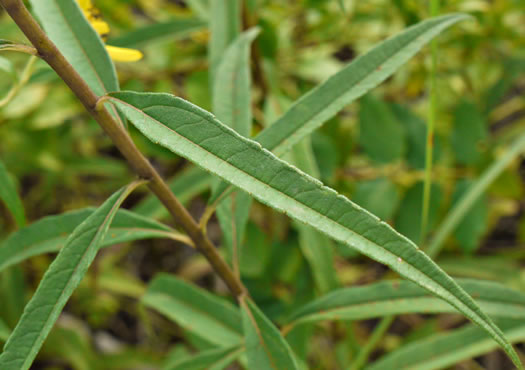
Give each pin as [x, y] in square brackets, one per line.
[377, 334]
[434, 10]
[50, 53]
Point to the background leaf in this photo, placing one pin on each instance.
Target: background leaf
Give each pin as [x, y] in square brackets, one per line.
[57, 285]
[265, 346]
[9, 196]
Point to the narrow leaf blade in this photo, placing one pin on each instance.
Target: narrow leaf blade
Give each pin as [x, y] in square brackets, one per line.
[195, 134]
[49, 234]
[9, 196]
[400, 297]
[214, 359]
[265, 346]
[195, 309]
[444, 350]
[57, 285]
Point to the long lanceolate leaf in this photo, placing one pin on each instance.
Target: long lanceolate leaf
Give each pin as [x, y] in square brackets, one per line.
[356, 79]
[58, 283]
[446, 349]
[196, 135]
[399, 297]
[67, 27]
[49, 234]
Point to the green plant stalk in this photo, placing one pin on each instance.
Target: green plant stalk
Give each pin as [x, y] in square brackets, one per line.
[376, 336]
[56, 60]
[429, 149]
[457, 213]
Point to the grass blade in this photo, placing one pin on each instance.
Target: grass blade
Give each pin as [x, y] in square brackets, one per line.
[265, 346]
[58, 283]
[49, 234]
[196, 135]
[208, 316]
[9, 196]
[444, 350]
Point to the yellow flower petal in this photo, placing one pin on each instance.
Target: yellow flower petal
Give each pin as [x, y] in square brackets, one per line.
[85, 5]
[123, 54]
[101, 27]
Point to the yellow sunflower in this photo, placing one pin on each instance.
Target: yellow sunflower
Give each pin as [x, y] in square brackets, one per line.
[116, 53]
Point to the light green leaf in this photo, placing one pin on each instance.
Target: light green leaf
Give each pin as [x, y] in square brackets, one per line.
[9, 196]
[50, 233]
[4, 331]
[265, 346]
[316, 247]
[473, 193]
[68, 28]
[198, 311]
[58, 283]
[444, 350]
[401, 297]
[225, 26]
[356, 79]
[375, 116]
[169, 30]
[470, 231]
[232, 105]
[195, 134]
[185, 186]
[379, 196]
[214, 359]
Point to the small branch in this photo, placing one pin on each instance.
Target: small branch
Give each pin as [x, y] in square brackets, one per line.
[20, 48]
[50, 53]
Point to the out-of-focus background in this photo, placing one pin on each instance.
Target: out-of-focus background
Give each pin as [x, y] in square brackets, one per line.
[372, 152]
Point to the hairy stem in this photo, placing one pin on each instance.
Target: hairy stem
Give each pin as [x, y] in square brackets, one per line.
[50, 53]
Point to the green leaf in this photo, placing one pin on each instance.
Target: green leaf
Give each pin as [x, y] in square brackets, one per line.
[58, 283]
[68, 28]
[157, 32]
[50, 233]
[376, 117]
[461, 208]
[379, 196]
[444, 350]
[225, 26]
[10, 197]
[408, 219]
[198, 311]
[360, 76]
[356, 79]
[401, 297]
[470, 231]
[4, 331]
[316, 247]
[265, 346]
[214, 359]
[232, 85]
[469, 130]
[232, 105]
[185, 186]
[195, 134]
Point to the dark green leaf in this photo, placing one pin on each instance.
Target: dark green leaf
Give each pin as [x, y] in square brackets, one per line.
[10, 197]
